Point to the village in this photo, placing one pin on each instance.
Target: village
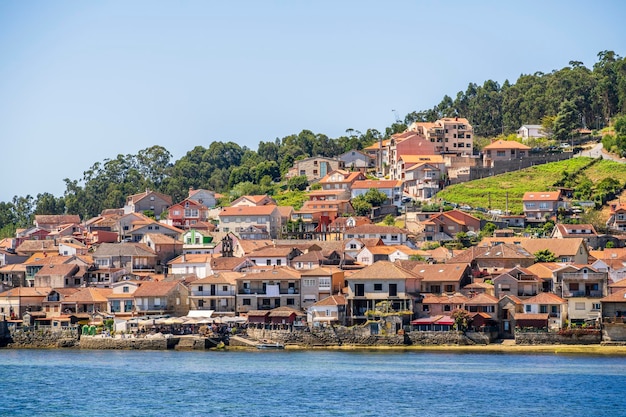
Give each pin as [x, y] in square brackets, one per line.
[257, 270]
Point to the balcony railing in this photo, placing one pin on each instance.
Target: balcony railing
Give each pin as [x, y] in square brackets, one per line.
[593, 294]
[579, 276]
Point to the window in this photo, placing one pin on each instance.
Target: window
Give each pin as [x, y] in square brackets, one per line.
[580, 306]
[308, 282]
[378, 287]
[543, 309]
[224, 288]
[125, 289]
[359, 290]
[324, 282]
[595, 306]
[447, 307]
[290, 301]
[393, 290]
[268, 262]
[528, 308]
[425, 307]
[200, 288]
[473, 309]
[246, 302]
[449, 288]
[435, 289]
[573, 286]
[278, 262]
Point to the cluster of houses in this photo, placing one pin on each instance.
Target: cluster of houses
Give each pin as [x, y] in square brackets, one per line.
[322, 264]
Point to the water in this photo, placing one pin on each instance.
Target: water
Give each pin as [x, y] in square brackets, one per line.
[307, 383]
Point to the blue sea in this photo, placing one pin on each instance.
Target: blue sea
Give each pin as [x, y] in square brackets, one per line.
[308, 383]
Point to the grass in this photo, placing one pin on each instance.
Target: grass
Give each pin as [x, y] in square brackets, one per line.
[495, 192]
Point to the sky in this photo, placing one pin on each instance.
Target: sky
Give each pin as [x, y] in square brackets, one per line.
[85, 81]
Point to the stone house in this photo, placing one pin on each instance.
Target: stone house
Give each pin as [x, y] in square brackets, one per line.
[147, 201]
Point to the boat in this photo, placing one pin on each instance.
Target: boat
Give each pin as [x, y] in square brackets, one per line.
[270, 345]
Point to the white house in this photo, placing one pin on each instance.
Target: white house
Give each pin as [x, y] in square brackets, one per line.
[530, 131]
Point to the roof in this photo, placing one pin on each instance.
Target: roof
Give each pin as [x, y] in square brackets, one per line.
[541, 196]
[161, 239]
[384, 270]
[140, 196]
[444, 299]
[482, 299]
[531, 316]
[26, 292]
[272, 251]
[123, 249]
[367, 184]
[576, 230]
[277, 273]
[155, 289]
[284, 311]
[265, 210]
[506, 144]
[333, 300]
[616, 297]
[374, 229]
[57, 218]
[58, 269]
[414, 159]
[559, 247]
[441, 272]
[501, 251]
[89, 295]
[228, 278]
[545, 298]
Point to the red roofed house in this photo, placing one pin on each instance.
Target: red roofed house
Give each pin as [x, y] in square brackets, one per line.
[162, 297]
[265, 218]
[328, 310]
[617, 218]
[541, 205]
[504, 150]
[547, 303]
[585, 231]
[186, 214]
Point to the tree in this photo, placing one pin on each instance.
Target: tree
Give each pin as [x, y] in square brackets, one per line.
[545, 255]
[566, 120]
[389, 220]
[375, 198]
[299, 183]
[361, 206]
[461, 319]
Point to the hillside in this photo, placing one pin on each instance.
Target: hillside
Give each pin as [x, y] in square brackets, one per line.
[493, 192]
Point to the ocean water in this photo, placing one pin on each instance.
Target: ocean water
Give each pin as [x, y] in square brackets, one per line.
[307, 383]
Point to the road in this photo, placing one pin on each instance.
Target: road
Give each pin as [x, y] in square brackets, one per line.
[597, 151]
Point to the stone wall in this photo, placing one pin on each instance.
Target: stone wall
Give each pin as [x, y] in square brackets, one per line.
[358, 336]
[144, 343]
[42, 338]
[614, 332]
[557, 339]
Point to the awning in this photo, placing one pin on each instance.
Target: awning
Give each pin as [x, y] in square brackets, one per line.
[200, 313]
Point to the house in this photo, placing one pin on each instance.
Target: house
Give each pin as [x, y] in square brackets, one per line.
[437, 305]
[571, 250]
[207, 198]
[204, 265]
[283, 316]
[198, 242]
[443, 278]
[140, 229]
[389, 235]
[314, 168]
[186, 214]
[253, 200]
[267, 217]
[545, 303]
[373, 254]
[339, 182]
[12, 275]
[85, 303]
[356, 161]
[51, 305]
[215, 293]
[38, 261]
[509, 306]
[421, 180]
[165, 247]
[70, 248]
[583, 287]
[486, 260]
[320, 283]
[391, 188]
[52, 222]
[504, 150]
[614, 317]
[617, 217]
[530, 131]
[162, 297]
[133, 257]
[585, 231]
[30, 247]
[329, 310]
[403, 144]
[539, 206]
[14, 303]
[58, 275]
[382, 282]
[269, 289]
[271, 256]
[448, 224]
[483, 303]
[451, 135]
[519, 282]
[121, 299]
[150, 201]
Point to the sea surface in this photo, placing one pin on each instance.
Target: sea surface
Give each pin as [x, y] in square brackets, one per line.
[308, 383]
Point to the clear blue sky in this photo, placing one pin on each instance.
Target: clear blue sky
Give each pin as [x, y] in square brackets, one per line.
[82, 81]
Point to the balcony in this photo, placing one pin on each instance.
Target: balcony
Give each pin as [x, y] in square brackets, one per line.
[590, 294]
[598, 277]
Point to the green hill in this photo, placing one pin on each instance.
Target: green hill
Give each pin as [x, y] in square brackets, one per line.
[493, 192]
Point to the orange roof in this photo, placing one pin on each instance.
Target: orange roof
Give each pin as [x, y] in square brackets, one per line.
[541, 196]
[507, 144]
[367, 184]
[248, 210]
[545, 298]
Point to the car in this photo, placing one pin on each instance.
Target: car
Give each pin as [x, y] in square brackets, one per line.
[465, 207]
[481, 209]
[406, 199]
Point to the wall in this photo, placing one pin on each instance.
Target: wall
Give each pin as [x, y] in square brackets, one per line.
[557, 339]
[501, 167]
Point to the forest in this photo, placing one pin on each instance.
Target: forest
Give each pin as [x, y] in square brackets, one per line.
[562, 101]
